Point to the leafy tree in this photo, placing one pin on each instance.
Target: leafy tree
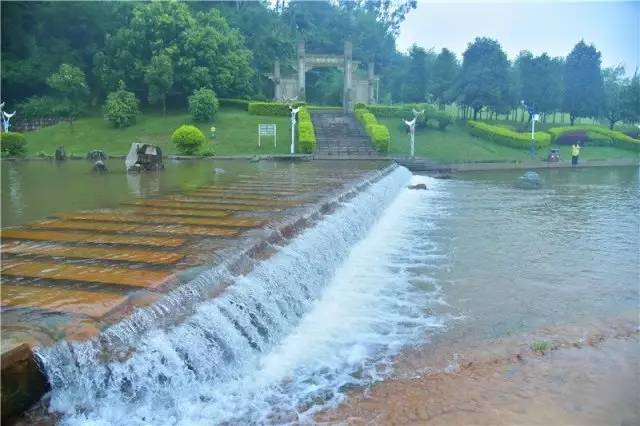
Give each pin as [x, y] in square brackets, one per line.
[484, 78]
[203, 104]
[445, 72]
[187, 139]
[631, 100]
[121, 107]
[416, 76]
[159, 77]
[539, 81]
[70, 82]
[583, 86]
[614, 84]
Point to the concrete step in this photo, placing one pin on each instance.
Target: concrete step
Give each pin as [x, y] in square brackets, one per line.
[339, 134]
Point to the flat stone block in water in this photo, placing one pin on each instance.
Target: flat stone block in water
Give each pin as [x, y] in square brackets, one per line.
[129, 255]
[86, 237]
[197, 206]
[530, 180]
[95, 304]
[82, 273]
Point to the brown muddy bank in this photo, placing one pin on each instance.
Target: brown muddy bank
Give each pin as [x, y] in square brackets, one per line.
[570, 375]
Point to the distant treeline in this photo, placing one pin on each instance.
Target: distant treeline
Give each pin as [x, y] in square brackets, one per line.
[58, 58]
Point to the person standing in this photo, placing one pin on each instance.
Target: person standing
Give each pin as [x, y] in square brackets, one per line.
[575, 153]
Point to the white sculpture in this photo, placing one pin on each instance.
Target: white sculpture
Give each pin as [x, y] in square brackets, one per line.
[412, 128]
[5, 120]
[294, 112]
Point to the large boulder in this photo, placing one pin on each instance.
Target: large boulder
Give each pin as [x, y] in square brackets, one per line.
[529, 180]
[144, 157]
[96, 155]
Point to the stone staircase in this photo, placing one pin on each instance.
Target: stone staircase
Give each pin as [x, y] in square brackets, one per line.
[340, 135]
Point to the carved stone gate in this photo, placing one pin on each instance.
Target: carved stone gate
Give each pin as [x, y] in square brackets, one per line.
[355, 88]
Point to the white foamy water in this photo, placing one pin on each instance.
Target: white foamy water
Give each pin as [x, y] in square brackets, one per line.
[327, 312]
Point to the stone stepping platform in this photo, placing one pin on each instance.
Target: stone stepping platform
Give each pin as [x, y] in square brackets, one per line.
[258, 192]
[100, 253]
[115, 217]
[86, 237]
[249, 198]
[157, 211]
[136, 228]
[256, 203]
[95, 304]
[86, 274]
[196, 206]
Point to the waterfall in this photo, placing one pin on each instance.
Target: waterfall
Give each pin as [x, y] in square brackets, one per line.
[326, 312]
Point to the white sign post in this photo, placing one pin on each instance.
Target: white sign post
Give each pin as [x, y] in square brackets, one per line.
[267, 130]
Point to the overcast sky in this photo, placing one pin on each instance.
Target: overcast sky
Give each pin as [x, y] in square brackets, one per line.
[552, 27]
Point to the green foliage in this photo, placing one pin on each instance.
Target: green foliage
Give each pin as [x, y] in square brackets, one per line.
[242, 104]
[187, 139]
[271, 108]
[13, 144]
[379, 133]
[70, 82]
[159, 78]
[444, 74]
[631, 100]
[583, 86]
[539, 81]
[203, 105]
[121, 107]
[37, 107]
[432, 116]
[485, 77]
[507, 137]
[306, 132]
[617, 139]
[541, 346]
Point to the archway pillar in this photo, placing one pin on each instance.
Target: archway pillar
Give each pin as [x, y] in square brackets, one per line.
[347, 102]
[301, 71]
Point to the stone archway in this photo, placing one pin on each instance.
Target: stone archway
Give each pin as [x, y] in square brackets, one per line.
[355, 89]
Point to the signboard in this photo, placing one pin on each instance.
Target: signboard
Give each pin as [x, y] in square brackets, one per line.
[267, 130]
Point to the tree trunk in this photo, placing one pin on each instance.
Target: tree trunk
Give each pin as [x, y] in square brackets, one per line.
[612, 123]
[475, 113]
[164, 104]
[554, 117]
[572, 119]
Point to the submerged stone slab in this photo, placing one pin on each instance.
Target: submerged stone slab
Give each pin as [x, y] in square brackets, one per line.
[221, 200]
[85, 237]
[129, 255]
[135, 228]
[114, 217]
[95, 304]
[158, 211]
[82, 273]
[252, 192]
[205, 207]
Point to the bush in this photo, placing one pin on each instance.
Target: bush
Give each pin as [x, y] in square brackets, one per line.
[13, 144]
[503, 136]
[37, 107]
[271, 108]
[306, 132]
[187, 139]
[598, 135]
[443, 119]
[571, 138]
[378, 133]
[242, 104]
[121, 107]
[203, 104]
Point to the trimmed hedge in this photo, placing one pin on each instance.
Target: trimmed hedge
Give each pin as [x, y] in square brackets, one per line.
[503, 136]
[378, 133]
[271, 108]
[13, 144]
[306, 132]
[242, 104]
[432, 116]
[597, 136]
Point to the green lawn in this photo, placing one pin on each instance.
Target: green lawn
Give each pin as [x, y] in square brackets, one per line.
[236, 133]
[457, 145]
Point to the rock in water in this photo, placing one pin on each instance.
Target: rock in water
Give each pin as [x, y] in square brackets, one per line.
[96, 154]
[99, 167]
[60, 154]
[418, 186]
[254, 159]
[218, 171]
[529, 180]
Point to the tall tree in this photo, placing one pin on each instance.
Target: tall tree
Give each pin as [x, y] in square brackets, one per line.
[614, 85]
[159, 78]
[71, 83]
[484, 78]
[416, 79]
[443, 76]
[583, 86]
[631, 100]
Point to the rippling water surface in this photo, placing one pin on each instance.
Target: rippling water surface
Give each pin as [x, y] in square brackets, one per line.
[468, 259]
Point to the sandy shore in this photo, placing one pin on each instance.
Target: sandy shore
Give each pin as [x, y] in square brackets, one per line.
[582, 376]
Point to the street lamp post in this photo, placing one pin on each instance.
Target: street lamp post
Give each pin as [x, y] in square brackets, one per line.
[412, 129]
[531, 109]
[294, 111]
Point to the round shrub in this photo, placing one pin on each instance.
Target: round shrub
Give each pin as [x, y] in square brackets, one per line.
[121, 107]
[13, 144]
[203, 104]
[188, 139]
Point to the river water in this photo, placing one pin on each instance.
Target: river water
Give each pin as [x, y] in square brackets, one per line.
[346, 303]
